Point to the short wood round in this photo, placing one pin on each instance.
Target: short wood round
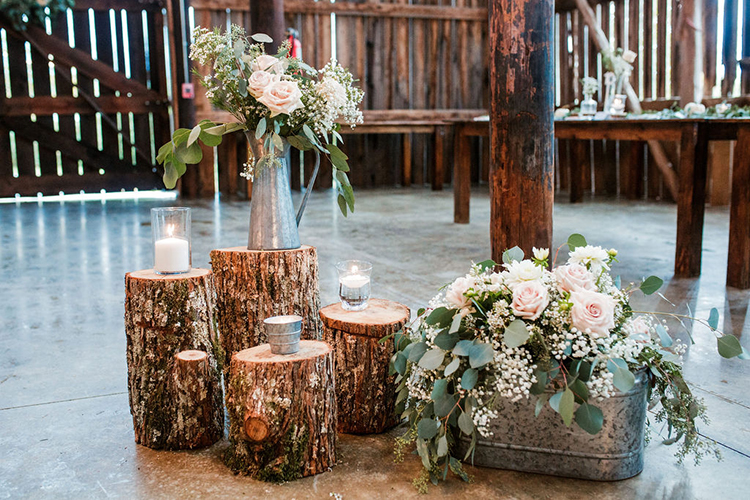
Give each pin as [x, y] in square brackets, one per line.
[150, 274]
[191, 356]
[282, 412]
[365, 392]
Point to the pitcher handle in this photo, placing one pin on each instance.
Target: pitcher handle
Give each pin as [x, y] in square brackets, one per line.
[309, 187]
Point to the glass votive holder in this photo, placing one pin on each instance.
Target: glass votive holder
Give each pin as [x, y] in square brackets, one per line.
[354, 284]
[283, 333]
[170, 230]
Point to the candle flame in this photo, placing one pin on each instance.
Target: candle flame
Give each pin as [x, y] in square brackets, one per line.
[355, 269]
[170, 229]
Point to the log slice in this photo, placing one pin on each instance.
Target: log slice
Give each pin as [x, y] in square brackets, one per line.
[282, 412]
[365, 392]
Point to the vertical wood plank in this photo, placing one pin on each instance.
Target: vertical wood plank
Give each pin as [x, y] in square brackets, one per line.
[738, 262]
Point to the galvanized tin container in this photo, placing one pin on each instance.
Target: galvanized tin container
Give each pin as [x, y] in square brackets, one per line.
[283, 333]
[545, 445]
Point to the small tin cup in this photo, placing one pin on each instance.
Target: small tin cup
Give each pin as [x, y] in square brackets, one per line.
[283, 333]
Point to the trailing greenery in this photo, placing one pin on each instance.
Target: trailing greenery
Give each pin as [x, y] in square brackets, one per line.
[22, 13]
[566, 337]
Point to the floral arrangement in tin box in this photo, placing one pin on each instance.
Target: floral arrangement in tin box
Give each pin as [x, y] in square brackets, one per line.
[274, 98]
[525, 330]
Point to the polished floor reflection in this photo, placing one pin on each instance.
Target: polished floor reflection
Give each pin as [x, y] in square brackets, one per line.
[65, 427]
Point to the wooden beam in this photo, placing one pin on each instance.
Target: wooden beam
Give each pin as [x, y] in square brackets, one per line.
[738, 266]
[602, 42]
[72, 184]
[68, 105]
[521, 124]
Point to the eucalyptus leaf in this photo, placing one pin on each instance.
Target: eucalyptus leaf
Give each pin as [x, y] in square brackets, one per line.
[300, 142]
[446, 341]
[262, 38]
[576, 240]
[432, 359]
[516, 334]
[554, 401]
[651, 284]
[427, 428]
[480, 354]
[589, 418]
[487, 264]
[713, 318]
[445, 405]
[440, 316]
[170, 175]
[439, 389]
[465, 423]
[664, 338]
[442, 448]
[566, 406]
[469, 379]
[452, 367]
[165, 150]
[512, 255]
[623, 378]
[189, 154]
[400, 363]
[260, 129]
[456, 323]
[462, 347]
[729, 346]
[342, 204]
[541, 400]
[417, 351]
[210, 140]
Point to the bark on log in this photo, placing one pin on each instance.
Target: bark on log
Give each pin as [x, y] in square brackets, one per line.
[253, 285]
[365, 393]
[282, 412]
[175, 397]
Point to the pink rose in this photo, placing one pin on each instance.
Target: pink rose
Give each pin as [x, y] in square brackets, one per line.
[268, 63]
[282, 97]
[259, 82]
[455, 293]
[592, 312]
[529, 299]
[574, 276]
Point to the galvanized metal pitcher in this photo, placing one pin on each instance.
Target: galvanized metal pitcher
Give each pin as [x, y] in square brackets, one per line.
[273, 225]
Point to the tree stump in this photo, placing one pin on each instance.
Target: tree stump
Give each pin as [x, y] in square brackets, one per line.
[253, 285]
[173, 355]
[365, 392]
[282, 412]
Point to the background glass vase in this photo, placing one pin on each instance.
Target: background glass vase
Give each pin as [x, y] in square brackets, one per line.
[354, 284]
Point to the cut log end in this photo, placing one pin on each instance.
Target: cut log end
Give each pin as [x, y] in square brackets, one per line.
[191, 356]
[256, 428]
[308, 349]
[380, 318]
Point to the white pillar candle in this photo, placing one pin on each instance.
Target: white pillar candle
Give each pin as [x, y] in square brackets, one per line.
[355, 281]
[172, 255]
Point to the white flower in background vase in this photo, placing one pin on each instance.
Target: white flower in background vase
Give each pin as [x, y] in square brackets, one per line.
[519, 271]
[574, 277]
[694, 108]
[455, 293]
[592, 312]
[530, 298]
[282, 97]
[629, 56]
[722, 108]
[561, 112]
[594, 258]
[259, 82]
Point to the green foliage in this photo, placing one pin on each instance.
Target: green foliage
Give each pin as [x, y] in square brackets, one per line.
[512, 255]
[576, 240]
[651, 284]
[22, 13]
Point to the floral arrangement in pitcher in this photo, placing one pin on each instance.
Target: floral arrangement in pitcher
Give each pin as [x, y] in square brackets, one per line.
[273, 97]
[567, 337]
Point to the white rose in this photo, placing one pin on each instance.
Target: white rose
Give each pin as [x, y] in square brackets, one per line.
[694, 108]
[595, 258]
[573, 277]
[282, 97]
[592, 312]
[259, 82]
[455, 293]
[268, 63]
[520, 271]
[529, 300]
[496, 281]
[722, 108]
[638, 329]
[629, 56]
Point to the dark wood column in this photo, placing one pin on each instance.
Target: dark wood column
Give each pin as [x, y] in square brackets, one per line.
[267, 16]
[521, 127]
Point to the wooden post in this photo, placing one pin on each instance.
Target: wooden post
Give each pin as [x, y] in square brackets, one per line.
[521, 127]
[174, 358]
[689, 52]
[365, 392]
[253, 285]
[282, 412]
[439, 166]
[267, 16]
[579, 171]
[461, 176]
[738, 268]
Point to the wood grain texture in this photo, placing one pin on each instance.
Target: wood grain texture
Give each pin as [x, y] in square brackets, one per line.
[521, 127]
[175, 403]
[254, 285]
[738, 265]
[365, 392]
[282, 412]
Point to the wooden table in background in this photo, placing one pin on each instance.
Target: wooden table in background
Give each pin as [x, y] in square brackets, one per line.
[693, 136]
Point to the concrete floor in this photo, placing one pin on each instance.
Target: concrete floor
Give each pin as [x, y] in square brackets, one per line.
[65, 426]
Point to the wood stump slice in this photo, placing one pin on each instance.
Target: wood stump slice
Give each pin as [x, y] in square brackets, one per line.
[282, 412]
[253, 285]
[365, 393]
[175, 391]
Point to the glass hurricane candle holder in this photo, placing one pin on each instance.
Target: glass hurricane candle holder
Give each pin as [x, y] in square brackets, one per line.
[354, 284]
[170, 230]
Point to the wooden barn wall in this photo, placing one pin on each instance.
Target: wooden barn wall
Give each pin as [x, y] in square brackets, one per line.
[88, 117]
